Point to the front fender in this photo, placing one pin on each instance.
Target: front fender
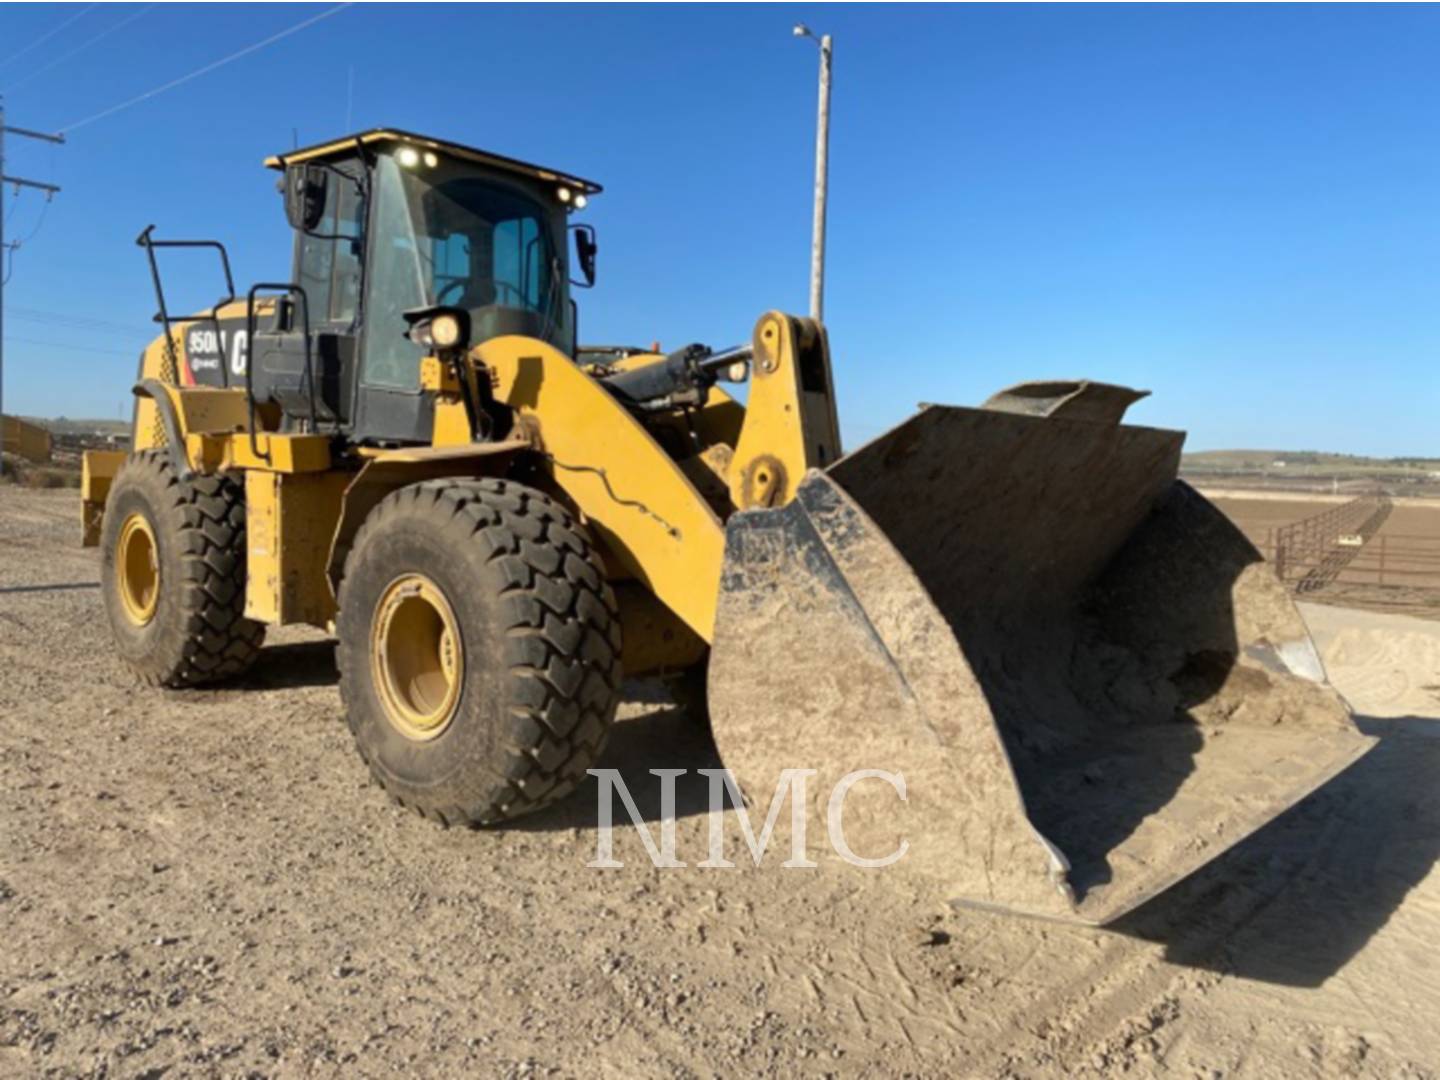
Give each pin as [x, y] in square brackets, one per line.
[634, 497]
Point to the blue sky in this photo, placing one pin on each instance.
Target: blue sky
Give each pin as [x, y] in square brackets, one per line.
[1233, 206]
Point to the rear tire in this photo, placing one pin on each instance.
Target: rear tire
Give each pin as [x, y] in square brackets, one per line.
[173, 574]
[479, 649]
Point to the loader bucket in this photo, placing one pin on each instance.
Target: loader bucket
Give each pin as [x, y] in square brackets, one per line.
[1090, 681]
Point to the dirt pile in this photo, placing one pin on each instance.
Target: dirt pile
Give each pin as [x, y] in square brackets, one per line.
[1388, 665]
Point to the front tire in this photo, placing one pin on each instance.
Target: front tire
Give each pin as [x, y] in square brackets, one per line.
[173, 574]
[479, 649]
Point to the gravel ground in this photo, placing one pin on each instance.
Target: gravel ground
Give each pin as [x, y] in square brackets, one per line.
[206, 884]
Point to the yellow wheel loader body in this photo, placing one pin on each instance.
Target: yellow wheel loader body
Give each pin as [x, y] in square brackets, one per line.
[1086, 681]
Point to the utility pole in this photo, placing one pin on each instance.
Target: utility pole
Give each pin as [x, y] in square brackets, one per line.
[822, 175]
[5, 261]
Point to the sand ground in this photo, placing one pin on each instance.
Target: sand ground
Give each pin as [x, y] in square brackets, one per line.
[205, 883]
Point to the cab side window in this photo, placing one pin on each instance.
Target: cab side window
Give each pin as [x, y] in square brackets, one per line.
[345, 272]
[328, 259]
[315, 258]
[393, 286]
[520, 274]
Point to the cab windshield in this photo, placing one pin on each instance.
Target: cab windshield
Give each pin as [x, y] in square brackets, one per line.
[446, 233]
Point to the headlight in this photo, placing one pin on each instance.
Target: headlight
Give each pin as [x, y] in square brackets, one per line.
[408, 157]
[445, 331]
[438, 329]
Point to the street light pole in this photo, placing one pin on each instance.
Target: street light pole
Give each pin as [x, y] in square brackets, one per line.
[5, 261]
[822, 174]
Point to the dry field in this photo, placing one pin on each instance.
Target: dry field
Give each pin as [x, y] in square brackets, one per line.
[205, 884]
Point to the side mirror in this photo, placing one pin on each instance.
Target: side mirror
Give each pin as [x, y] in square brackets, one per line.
[306, 190]
[585, 250]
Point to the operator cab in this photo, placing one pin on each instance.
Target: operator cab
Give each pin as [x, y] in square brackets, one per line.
[389, 224]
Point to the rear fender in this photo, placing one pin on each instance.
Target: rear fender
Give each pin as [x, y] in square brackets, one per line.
[180, 412]
[97, 473]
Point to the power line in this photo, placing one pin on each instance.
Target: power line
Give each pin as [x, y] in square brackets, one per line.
[15, 245]
[50, 191]
[44, 209]
[67, 346]
[63, 57]
[206, 69]
[87, 322]
[46, 36]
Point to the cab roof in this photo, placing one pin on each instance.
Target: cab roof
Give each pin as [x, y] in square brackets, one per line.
[394, 136]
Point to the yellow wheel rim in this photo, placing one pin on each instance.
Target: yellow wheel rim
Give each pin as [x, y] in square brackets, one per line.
[417, 657]
[137, 569]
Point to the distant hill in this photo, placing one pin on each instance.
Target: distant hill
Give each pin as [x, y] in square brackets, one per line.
[1311, 470]
[63, 425]
[1305, 461]
[1259, 459]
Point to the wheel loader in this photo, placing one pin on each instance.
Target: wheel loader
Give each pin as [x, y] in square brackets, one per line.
[1088, 679]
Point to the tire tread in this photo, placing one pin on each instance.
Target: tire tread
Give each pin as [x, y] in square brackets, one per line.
[207, 517]
[559, 635]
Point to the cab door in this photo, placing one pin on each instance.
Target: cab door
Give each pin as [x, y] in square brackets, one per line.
[390, 407]
[327, 268]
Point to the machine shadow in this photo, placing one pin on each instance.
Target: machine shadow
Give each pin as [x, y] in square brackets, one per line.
[63, 587]
[1101, 689]
[1294, 902]
[665, 736]
[1094, 597]
[292, 666]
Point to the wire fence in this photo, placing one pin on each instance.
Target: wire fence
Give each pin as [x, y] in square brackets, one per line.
[1313, 552]
[1390, 559]
[1345, 552]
